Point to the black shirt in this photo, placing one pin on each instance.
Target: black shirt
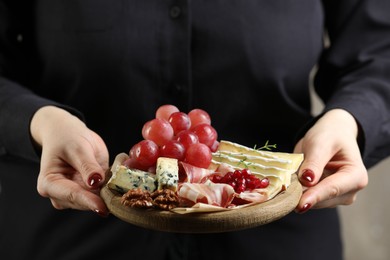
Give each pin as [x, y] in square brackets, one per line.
[247, 63]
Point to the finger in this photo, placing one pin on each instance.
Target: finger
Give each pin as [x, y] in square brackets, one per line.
[316, 158]
[336, 188]
[346, 199]
[84, 161]
[65, 194]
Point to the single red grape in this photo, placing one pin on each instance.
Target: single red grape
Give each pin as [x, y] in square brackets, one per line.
[198, 155]
[145, 153]
[131, 163]
[179, 121]
[173, 149]
[165, 111]
[214, 146]
[187, 138]
[199, 116]
[157, 130]
[206, 134]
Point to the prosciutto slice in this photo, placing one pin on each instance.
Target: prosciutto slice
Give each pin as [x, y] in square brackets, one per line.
[193, 174]
[254, 196]
[224, 168]
[216, 194]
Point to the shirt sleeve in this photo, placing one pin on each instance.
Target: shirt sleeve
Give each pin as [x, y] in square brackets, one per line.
[18, 102]
[354, 71]
[17, 106]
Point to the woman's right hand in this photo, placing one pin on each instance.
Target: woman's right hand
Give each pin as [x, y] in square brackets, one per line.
[73, 162]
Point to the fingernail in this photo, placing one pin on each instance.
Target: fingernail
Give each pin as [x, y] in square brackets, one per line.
[308, 175]
[305, 208]
[94, 180]
[101, 213]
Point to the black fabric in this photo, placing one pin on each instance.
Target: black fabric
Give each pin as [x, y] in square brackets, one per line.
[354, 73]
[245, 62]
[32, 229]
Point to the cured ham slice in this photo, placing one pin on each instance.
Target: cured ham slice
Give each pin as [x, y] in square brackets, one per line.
[224, 168]
[193, 174]
[254, 196]
[216, 194]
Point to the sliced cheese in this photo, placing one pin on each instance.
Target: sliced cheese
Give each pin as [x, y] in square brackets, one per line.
[292, 161]
[275, 166]
[265, 169]
[247, 159]
[167, 172]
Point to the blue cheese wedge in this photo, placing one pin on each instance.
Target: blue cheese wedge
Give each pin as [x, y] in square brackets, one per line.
[124, 179]
[167, 172]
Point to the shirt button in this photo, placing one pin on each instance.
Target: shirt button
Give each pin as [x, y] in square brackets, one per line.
[175, 12]
[19, 37]
[178, 88]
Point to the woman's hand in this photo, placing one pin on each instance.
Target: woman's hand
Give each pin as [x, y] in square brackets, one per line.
[332, 172]
[73, 163]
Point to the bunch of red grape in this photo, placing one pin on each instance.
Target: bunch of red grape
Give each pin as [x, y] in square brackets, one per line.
[241, 180]
[174, 134]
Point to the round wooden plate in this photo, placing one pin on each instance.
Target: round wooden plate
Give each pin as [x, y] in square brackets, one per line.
[214, 222]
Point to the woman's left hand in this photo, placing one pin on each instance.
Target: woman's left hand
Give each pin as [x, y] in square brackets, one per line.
[333, 171]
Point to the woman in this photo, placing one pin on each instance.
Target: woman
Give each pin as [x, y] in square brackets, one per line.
[80, 78]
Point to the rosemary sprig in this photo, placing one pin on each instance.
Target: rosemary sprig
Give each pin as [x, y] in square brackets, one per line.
[266, 146]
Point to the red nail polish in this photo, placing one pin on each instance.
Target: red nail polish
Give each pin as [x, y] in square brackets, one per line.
[101, 213]
[305, 208]
[94, 180]
[308, 175]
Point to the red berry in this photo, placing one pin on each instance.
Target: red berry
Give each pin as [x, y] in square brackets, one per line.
[242, 180]
[233, 184]
[237, 175]
[264, 183]
[249, 184]
[227, 177]
[241, 186]
[216, 178]
[246, 172]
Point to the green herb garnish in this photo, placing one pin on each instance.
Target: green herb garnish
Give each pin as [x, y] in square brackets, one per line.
[266, 146]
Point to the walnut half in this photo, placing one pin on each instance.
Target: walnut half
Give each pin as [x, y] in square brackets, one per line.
[137, 198]
[165, 199]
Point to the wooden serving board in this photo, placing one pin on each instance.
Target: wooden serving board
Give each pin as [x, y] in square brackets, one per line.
[223, 221]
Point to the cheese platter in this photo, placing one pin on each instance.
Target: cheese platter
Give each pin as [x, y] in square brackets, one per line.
[181, 178]
[213, 222]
